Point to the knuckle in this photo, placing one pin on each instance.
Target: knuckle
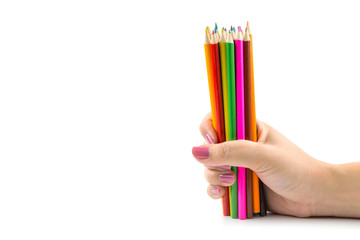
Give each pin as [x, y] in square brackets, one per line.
[259, 161]
[224, 151]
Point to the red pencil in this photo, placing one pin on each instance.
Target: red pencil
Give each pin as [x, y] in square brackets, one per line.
[218, 91]
[219, 109]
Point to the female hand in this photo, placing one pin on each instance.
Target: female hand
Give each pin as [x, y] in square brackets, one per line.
[295, 183]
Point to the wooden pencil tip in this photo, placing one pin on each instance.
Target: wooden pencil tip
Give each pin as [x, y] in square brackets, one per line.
[207, 38]
[247, 36]
[229, 38]
[223, 37]
[248, 27]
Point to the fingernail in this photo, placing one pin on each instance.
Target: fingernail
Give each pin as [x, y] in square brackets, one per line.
[200, 152]
[215, 190]
[224, 167]
[226, 177]
[208, 139]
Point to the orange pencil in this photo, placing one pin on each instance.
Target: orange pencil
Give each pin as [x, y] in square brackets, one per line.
[253, 133]
[258, 193]
[214, 82]
[210, 72]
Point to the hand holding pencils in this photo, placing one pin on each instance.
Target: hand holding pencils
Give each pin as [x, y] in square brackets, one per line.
[230, 71]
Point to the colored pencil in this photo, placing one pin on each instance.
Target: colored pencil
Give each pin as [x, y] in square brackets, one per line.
[256, 182]
[222, 45]
[240, 119]
[248, 119]
[223, 66]
[209, 69]
[220, 129]
[230, 61]
[261, 201]
[218, 90]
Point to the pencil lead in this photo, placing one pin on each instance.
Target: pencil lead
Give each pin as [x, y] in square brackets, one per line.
[216, 27]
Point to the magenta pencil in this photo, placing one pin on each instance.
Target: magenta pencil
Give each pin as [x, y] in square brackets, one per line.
[240, 119]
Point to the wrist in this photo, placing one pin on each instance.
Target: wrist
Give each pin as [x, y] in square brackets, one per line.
[337, 197]
[325, 194]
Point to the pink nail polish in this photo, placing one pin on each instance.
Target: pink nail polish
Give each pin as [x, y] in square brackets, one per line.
[208, 139]
[200, 152]
[224, 167]
[227, 178]
[215, 190]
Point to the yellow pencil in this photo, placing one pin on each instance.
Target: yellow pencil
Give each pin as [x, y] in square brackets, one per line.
[209, 68]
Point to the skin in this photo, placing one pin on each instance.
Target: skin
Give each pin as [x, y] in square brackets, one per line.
[296, 184]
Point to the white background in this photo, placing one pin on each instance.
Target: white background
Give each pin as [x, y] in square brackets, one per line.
[100, 103]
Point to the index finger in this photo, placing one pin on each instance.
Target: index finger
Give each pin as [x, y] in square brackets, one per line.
[207, 130]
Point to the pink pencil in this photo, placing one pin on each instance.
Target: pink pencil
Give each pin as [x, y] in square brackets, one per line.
[240, 118]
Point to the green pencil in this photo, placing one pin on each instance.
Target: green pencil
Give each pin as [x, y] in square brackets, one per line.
[223, 66]
[230, 62]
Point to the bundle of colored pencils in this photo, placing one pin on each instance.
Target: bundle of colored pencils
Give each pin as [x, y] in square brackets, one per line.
[230, 70]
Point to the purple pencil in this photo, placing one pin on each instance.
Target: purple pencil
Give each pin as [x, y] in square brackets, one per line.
[240, 118]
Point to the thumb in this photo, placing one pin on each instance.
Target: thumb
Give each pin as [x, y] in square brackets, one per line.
[241, 153]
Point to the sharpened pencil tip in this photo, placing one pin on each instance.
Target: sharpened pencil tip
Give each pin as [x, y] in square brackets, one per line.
[207, 37]
[248, 27]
